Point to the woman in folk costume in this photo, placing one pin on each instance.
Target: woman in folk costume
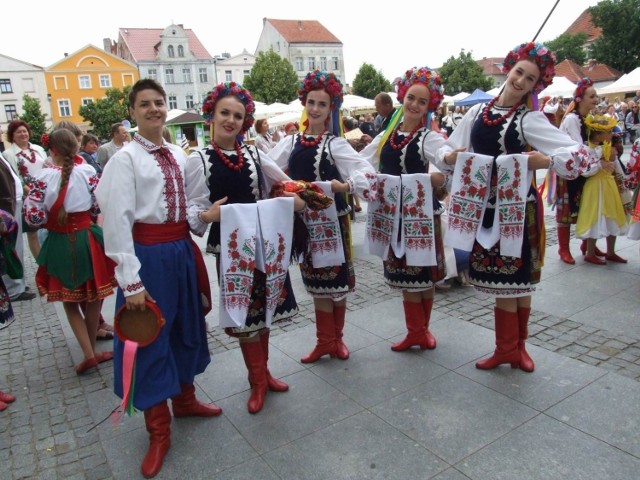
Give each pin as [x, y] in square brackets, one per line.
[601, 211]
[408, 146]
[145, 194]
[321, 154]
[507, 125]
[634, 170]
[72, 266]
[569, 192]
[239, 174]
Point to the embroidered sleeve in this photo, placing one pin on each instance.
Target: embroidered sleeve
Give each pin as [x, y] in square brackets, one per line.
[35, 212]
[197, 192]
[353, 168]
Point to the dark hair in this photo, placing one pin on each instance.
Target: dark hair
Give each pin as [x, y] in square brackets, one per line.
[89, 137]
[14, 125]
[115, 127]
[145, 84]
[66, 145]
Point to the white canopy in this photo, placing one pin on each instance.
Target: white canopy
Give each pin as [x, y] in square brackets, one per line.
[626, 83]
[267, 111]
[355, 104]
[561, 87]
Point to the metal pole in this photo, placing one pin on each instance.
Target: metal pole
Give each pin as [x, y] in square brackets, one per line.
[545, 21]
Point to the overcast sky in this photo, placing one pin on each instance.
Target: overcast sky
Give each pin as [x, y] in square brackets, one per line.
[392, 38]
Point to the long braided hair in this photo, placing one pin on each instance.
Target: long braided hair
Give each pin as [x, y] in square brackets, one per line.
[64, 144]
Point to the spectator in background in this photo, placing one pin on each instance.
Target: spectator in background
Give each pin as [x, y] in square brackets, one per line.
[88, 148]
[456, 118]
[632, 121]
[264, 140]
[366, 125]
[119, 138]
[385, 109]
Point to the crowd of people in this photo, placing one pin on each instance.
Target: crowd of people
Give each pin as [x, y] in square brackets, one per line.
[121, 216]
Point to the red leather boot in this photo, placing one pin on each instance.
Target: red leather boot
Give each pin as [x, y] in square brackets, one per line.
[416, 333]
[427, 306]
[564, 234]
[256, 365]
[158, 422]
[526, 363]
[326, 334]
[339, 312]
[274, 384]
[186, 404]
[507, 337]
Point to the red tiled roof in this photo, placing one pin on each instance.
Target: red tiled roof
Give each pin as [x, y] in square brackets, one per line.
[303, 31]
[141, 42]
[491, 65]
[583, 24]
[597, 72]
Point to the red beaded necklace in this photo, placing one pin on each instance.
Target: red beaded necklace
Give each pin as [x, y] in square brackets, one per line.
[230, 165]
[500, 119]
[403, 143]
[306, 143]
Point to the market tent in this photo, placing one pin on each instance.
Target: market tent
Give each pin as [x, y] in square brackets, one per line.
[626, 83]
[477, 96]
[267, 111]
[354, 105]
[561, 87]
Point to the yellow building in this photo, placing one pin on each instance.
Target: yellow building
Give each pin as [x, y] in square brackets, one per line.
[83, 77]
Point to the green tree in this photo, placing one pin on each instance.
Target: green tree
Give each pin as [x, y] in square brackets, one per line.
[34, 117]
[568, 46]
[463, 74]
[272, 79]
[619, 45]
[102, 113]
[368, 82]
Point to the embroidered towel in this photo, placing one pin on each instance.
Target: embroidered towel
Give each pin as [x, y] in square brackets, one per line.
[469, 194]
[417, 220]
[238, 223]
[514, 180]
[382, 220]
[275, 217]
[325, 241]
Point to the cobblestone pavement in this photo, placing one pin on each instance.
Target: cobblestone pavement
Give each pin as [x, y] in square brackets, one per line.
[47, 433]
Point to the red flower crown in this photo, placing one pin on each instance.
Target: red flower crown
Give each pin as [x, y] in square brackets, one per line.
[321, 80]
[224, 90]
[427, 77]
[581, 88]
[537, 53]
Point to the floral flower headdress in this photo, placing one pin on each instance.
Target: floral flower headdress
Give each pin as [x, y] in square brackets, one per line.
[321, 80]
[44, 140]
[427, 77]
[224, 90]
[600, 123]
[581, 88]
[537, 53]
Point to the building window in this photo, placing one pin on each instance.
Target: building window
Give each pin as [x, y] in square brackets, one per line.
[170, 51]
[64, 108]
[186, 74]
[87, 101]
[180, 51]
[228, 75]
[168, 75]
[189, 101]
[173, 102]
[85, 81]
[323, 63]
[152, 73]
[246, 73]
[105, 81]
[312, 63]
[299, 64]
[5, 85]
[203, 75]
[334, 63]
[12, 113]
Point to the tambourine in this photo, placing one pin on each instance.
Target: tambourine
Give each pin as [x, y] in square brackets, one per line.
[140, 326]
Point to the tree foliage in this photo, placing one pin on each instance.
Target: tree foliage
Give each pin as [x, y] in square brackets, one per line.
[32, 114]
[102, 113]
[368, 82]
[463, 74]
[619, 45]
[568, 46]
[272, 79]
